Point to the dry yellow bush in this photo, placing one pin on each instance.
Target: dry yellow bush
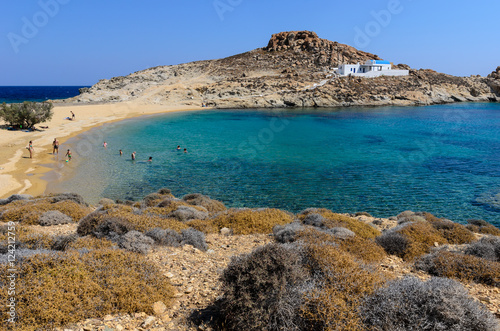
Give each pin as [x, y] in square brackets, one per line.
[251, 221]
[364, 249]
[147, 222]
[345, 282]
[90, 242]
[422, 236]
[57, 289]
[460, 266]
[203, 226]
[338, 220]
[28, 212]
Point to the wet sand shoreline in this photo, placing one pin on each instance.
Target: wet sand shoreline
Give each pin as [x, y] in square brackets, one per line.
[21, 175]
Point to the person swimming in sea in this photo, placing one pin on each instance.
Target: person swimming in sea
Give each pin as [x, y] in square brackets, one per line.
[121, 153]
[150, 159]
[133, 156]
[185, 150]
[105, 145]
[178, 147]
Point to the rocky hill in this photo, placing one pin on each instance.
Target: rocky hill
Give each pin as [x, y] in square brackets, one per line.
[293, 70]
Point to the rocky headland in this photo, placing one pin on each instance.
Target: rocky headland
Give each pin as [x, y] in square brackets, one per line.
[295, 69]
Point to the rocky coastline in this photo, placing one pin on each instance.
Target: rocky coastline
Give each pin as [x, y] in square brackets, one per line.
[293, 70]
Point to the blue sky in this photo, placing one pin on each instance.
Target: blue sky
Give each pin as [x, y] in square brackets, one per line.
[71, 42]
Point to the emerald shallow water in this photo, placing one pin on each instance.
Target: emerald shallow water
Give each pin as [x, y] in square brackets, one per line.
[442, 159]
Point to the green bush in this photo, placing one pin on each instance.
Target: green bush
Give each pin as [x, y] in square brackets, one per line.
[27, 114]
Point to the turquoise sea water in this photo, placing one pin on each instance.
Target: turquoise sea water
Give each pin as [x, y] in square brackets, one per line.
[442, 159]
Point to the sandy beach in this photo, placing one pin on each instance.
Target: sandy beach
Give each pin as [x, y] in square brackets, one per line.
[21, 175]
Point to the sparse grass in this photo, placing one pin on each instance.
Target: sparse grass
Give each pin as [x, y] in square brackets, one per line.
[57, 289]
[251, 221]
[462, 267]
[333, 220]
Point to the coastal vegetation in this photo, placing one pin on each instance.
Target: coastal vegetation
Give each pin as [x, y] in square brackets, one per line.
[321, 270]
[27, 114]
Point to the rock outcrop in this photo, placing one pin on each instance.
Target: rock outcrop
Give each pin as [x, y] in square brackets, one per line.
[295, 69]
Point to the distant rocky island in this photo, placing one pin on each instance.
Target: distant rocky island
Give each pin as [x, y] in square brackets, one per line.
[295, 69]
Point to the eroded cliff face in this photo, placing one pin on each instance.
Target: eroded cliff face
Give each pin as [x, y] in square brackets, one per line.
[293, 70]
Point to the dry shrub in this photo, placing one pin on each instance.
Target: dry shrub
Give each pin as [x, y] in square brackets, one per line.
[251, 221]
[487, 248]
[311, 235]
[213, 206]
[57, 289]
[482, 227]
[454, 233]
[259, 289]
[342, 283]
[90, 243]
[204, 226]
[333, 220]
[146, 222]
[364, 249]
[461, 267]
[29, 212]
[438, 304]
[168, 206]
[411, 240]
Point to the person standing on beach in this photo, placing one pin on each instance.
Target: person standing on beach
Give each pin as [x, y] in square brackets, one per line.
[68, 154]
[55, 146]
[30, 149]
[72, 115]
[133, 156]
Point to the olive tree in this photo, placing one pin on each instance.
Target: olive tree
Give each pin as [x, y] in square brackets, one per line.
[27, 114]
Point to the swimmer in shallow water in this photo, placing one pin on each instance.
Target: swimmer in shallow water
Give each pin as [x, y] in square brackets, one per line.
[178, 147]
[121, 153]
[68, 154]
[150, 159]
[133, 156]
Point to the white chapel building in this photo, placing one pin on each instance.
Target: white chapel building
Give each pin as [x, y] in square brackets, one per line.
[371, 68]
